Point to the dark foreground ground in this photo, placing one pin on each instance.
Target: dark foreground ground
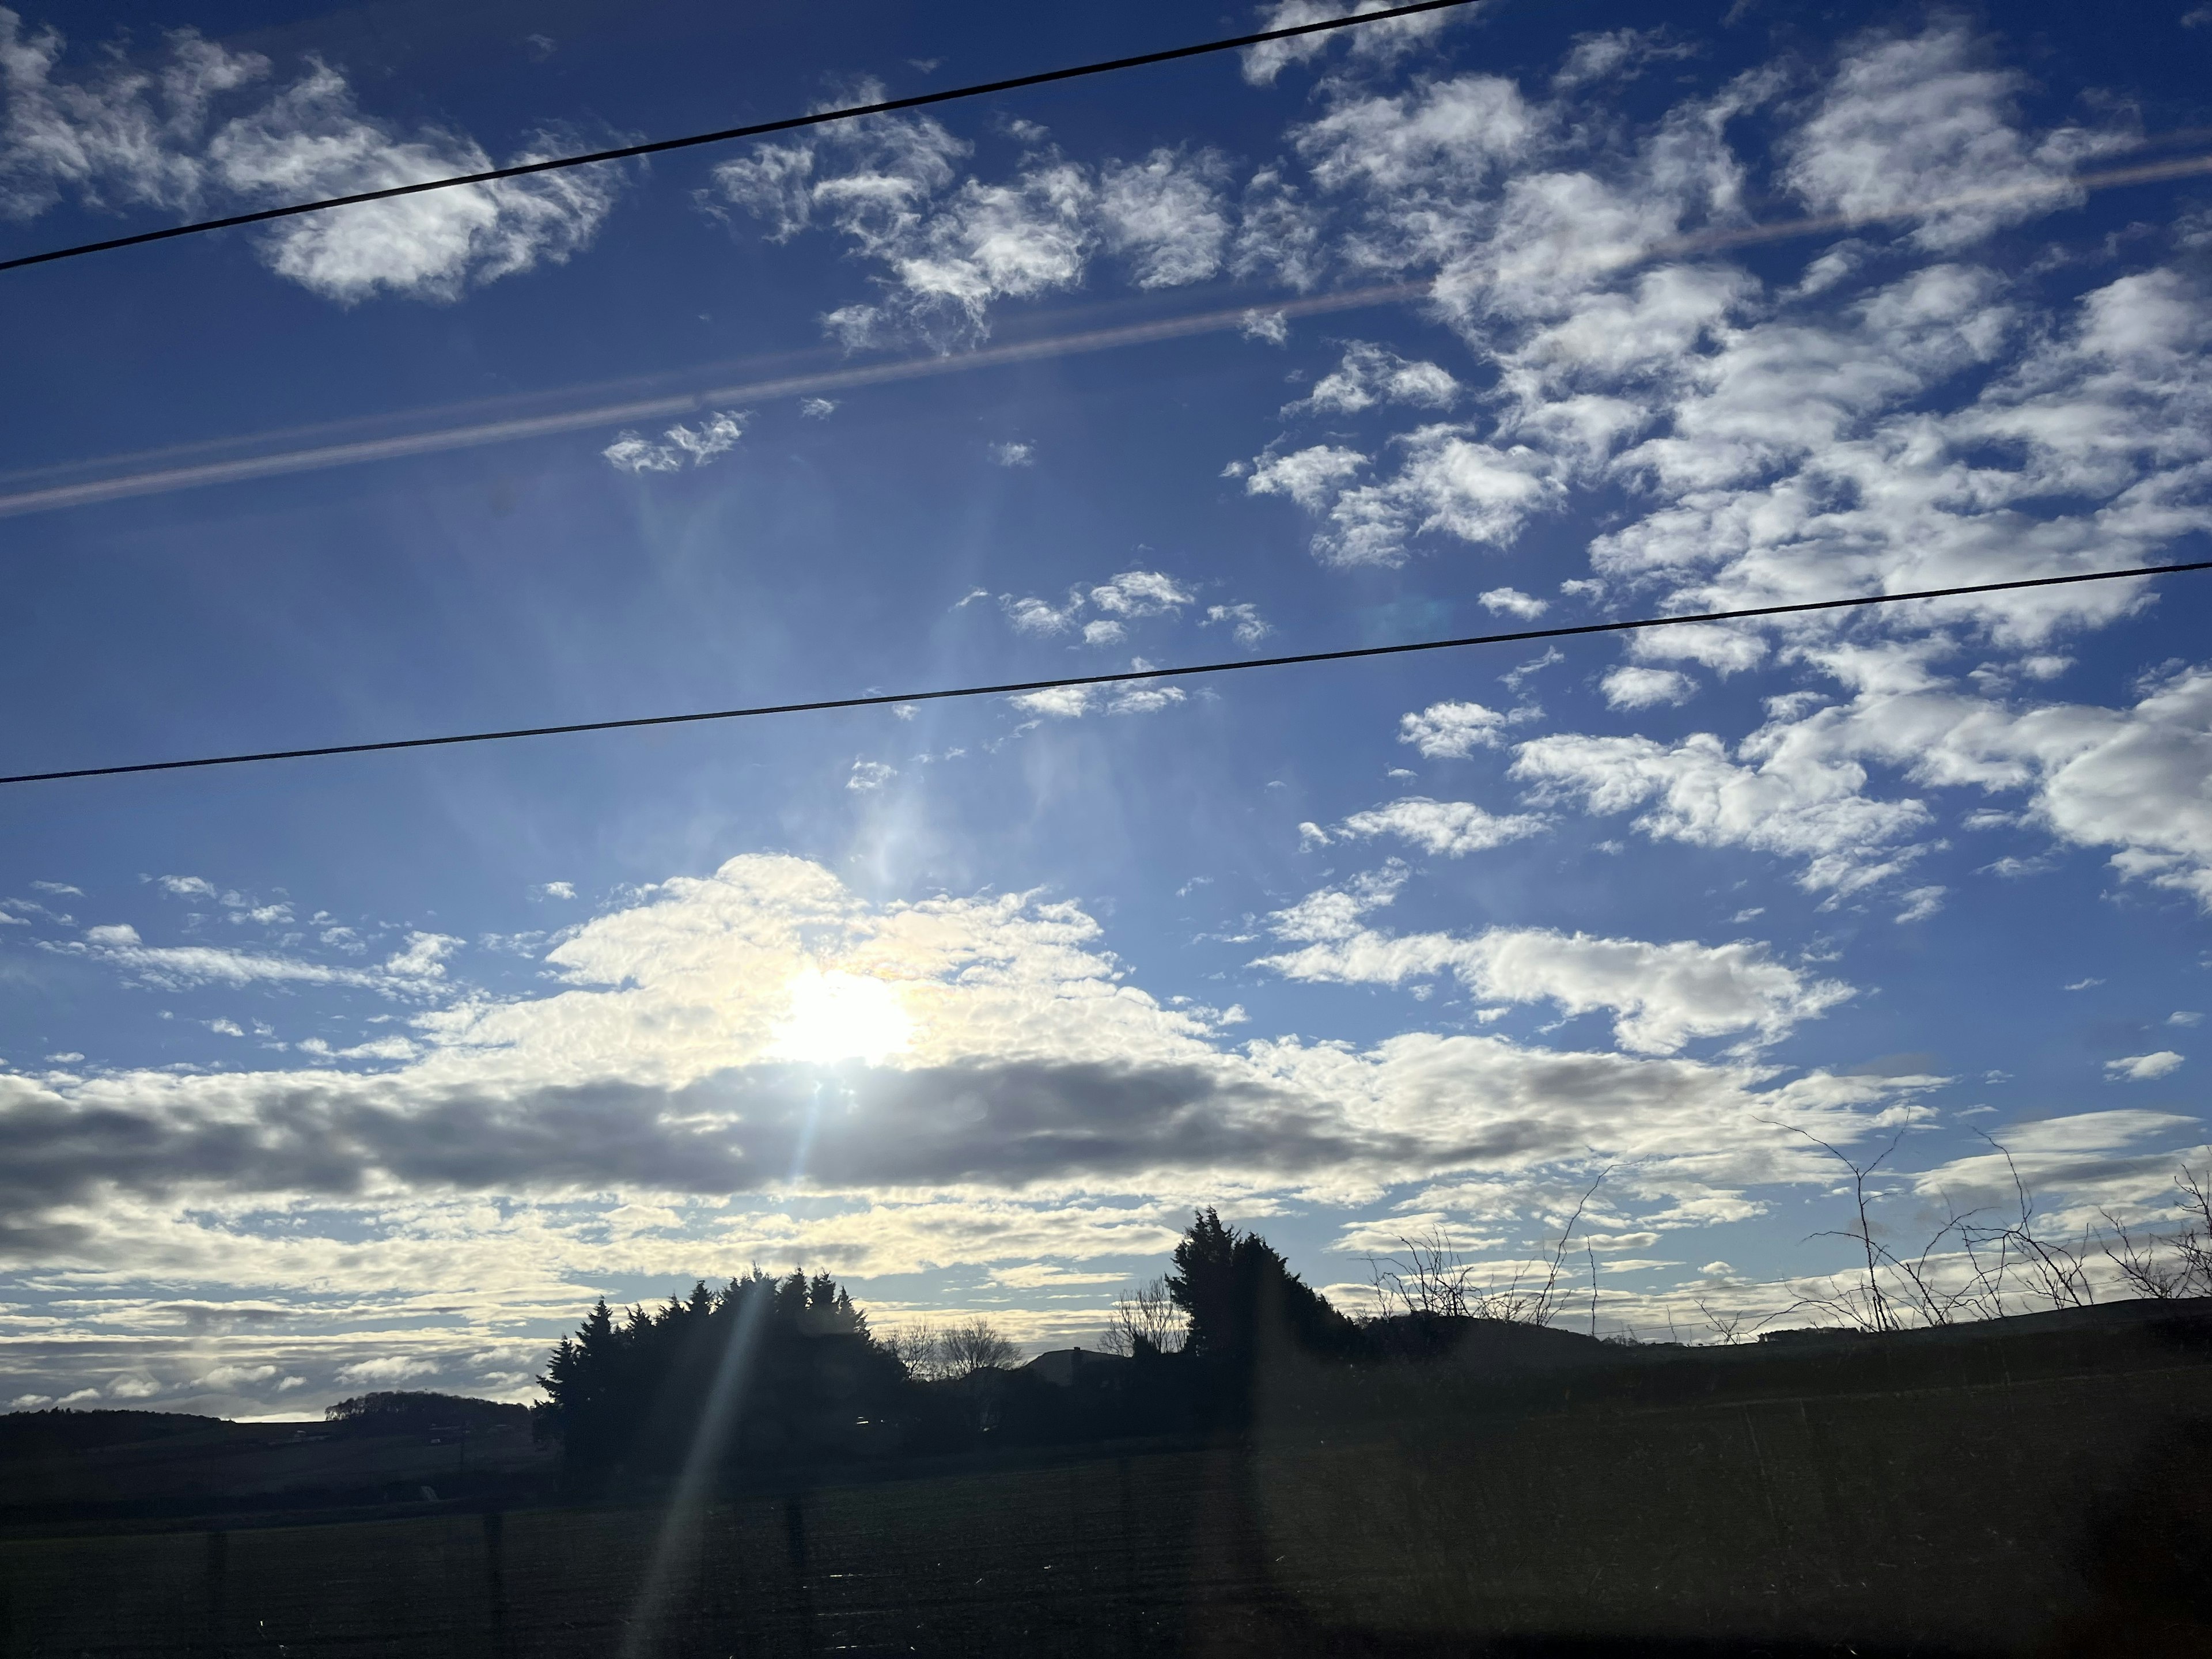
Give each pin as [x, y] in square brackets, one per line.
[2046, 1494]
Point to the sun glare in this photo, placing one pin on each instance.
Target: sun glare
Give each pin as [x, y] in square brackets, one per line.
[840, 1016]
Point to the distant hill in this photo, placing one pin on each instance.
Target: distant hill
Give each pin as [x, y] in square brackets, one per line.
[38, 1434]
[378, 1449]
[413, 1410]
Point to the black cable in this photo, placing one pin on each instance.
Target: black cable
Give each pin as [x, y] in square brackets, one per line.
[1123, 678]
[759, 128]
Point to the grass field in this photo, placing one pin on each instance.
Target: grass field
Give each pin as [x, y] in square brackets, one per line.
[2054, 1514]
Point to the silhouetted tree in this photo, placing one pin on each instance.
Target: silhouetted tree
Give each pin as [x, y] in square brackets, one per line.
[973, 1346]
[1241, 1298]
[790, 1358]
[1145, 1320]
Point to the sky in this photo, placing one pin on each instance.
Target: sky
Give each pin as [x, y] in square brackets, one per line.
[334, 1074]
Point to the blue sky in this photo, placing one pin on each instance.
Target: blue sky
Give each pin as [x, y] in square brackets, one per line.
[333, 1074]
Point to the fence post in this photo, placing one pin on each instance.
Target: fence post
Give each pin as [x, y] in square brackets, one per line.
[218, 1567]
[794, 1527]
[1134, 1618]
[495, 1541]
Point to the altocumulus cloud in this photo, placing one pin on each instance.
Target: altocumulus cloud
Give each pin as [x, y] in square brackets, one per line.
[207, 131]
[1662, 995]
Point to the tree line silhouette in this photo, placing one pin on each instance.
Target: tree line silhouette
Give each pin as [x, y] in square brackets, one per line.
[790, 1370]
[794, 1366]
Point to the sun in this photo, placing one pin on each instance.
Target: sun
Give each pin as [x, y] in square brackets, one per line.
[840, 1016]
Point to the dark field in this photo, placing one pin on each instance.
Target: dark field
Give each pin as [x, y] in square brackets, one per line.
[249, 1467]
[2049, 1497]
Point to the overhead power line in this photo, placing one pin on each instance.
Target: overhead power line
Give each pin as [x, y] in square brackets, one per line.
[727, 135]
[1125, 677]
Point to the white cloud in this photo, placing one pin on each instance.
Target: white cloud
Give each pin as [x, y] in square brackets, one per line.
[1280, 241]
[1873, 426]
[1923, 118]
[553, 890]
[2144, 1069]
[1073, 701]
[1448, 484]
[1663, 994]
[679, 446]
[817, 409]
[1065, 703]
[1451, 731]
[1725, 647]
[1165, 215]
[1020, 240]
[1450, 827]
[225, 1028]
[1615, 55]
[128, 135]
[415, 971]
[1140, 593]
[1144, 699]
[886, 185]
[1920, 904]
[868, 774]
[1512, 602]
[188, 887]
[2089, 452]
[232, 1377]
[1369, 43]
[1645, 688]
[1800, 805]
[1035, 616]
[1129, 597]
[2081, 1167]
[1244, 621]
[1308, 477]
[311, 141]
[1014, 454]
[1428, 154]
[1371, 374]
[2129, 779]
[1272, 326]
[156, 135]
[389, 1369]
[423, 957]
[388, 1047]
[948, 252]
